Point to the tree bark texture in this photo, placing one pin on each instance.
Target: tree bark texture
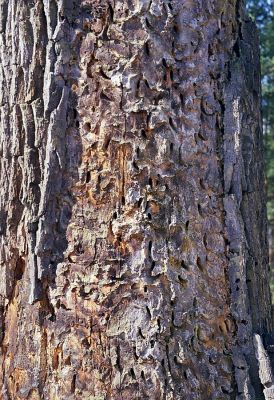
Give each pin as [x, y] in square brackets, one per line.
[134, 260]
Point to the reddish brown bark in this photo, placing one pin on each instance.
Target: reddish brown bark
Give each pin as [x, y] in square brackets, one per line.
[133, 233]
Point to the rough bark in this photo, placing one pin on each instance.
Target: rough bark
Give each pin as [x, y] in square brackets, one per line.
[132, 211]
[265, 371]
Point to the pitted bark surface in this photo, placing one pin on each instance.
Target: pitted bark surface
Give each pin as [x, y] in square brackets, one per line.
[132, 208]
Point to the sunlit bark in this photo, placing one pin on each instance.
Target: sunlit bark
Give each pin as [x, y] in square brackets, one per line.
[133, 245]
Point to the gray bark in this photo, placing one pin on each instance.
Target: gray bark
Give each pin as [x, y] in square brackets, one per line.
[265, 371]
[133, 247]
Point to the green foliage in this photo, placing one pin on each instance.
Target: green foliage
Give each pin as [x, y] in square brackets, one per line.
[260, 10]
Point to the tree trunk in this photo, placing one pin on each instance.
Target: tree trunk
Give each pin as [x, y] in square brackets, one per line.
[134, 259]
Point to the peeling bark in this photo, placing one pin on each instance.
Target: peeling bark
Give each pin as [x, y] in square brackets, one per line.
[265, 372]
[133, 255]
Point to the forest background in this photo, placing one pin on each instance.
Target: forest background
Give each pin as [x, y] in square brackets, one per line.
[262, 11]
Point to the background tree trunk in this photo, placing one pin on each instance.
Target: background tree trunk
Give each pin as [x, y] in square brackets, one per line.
[134, 260]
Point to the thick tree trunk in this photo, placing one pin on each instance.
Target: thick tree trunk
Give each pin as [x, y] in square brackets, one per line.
[133, 250]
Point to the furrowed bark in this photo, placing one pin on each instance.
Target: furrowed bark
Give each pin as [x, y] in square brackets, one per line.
[132, 210]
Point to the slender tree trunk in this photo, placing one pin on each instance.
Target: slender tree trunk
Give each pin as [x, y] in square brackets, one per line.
[134, 259]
